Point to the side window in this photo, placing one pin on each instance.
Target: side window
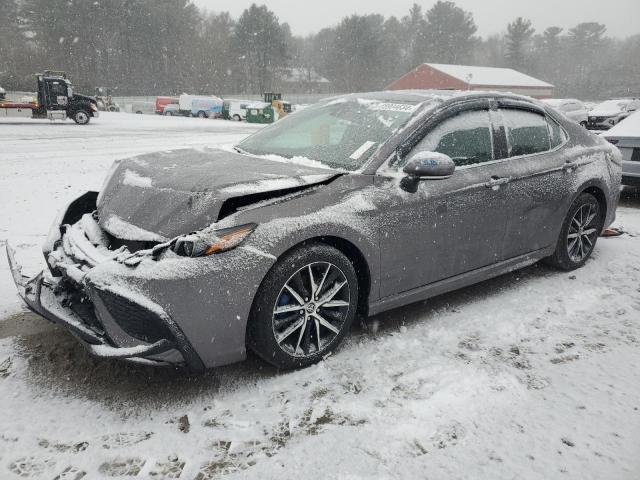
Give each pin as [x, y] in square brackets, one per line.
[558, 136]
[527, 132]
[57, 89]
[466, 138]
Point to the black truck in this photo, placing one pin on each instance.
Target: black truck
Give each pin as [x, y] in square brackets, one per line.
[56, 101]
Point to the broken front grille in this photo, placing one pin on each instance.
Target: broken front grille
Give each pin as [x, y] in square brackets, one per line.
[134, 319]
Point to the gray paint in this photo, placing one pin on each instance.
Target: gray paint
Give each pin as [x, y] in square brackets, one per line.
[450, 233]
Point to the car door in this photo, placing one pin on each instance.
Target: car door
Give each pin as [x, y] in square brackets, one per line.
[541, 178]
[58, 94]
[448, 226]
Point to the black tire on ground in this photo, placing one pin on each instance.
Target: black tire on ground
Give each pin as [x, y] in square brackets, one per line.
[237, 118]
[168, 114]
[81, 117]
[202, 114]
[261, 335]
[580, 231]
[138, 112]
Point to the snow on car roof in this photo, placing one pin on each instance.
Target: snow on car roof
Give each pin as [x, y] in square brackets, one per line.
[629, 127]
[489, 76]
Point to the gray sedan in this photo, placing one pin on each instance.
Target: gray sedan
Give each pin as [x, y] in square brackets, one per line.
[626, 136]
[356, 205]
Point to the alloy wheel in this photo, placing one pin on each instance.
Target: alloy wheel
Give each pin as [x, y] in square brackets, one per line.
[583, 231]
[311, 309]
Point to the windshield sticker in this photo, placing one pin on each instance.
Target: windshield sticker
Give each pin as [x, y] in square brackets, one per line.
[393, 107]
[360, 151]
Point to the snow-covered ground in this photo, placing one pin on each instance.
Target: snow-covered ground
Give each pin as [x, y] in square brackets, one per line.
[534, 375]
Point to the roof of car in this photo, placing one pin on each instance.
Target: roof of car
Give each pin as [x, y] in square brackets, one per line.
[419, 96]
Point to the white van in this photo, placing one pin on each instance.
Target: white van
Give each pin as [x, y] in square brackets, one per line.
[233, 109]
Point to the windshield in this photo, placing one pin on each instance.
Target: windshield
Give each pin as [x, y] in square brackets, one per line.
[342, 133]
[618, 105]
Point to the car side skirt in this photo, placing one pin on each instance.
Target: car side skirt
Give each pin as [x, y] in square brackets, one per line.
[459, 281]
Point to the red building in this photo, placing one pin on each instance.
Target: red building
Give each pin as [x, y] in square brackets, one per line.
[463, 77]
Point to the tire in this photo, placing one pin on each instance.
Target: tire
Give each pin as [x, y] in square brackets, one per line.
[202, 114]
[138, 112]
[299, 347]
[237, 118]
[580, 231]
[168, 114]
[81, 117]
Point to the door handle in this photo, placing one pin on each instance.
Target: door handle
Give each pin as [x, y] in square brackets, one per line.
[495, 182]
[569, 165]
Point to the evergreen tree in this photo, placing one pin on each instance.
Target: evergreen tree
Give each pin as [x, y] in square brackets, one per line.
[449, 33]
[517, 41]
[259, 46]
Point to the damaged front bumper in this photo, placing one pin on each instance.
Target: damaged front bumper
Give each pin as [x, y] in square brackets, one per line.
[39, 293]
[109, 322]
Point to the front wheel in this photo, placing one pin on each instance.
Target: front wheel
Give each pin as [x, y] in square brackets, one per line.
[237, 118]
[202, 114]
[81, 117]
[304, 307]
[579, 233]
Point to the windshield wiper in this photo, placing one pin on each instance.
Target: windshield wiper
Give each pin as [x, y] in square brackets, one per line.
[239, 150]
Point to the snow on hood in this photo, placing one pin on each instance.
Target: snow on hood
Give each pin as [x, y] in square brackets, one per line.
[161, 195]
[604, 113]
[629, 127]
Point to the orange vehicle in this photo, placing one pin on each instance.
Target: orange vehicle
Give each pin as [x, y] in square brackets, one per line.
[162, 102]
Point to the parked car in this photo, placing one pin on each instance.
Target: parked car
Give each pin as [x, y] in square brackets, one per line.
[162, 102]
[171, 110]
[202, 107]
[140, 107]
[610, 113]
[626, 136]
[355, 205]
[572, 108]
[235, 109]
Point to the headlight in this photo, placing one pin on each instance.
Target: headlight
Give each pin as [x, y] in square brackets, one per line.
[210, 241]
[94, 107]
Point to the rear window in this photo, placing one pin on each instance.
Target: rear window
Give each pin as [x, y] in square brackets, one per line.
[527, 132]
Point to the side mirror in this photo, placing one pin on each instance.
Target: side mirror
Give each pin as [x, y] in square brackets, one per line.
[426, 166]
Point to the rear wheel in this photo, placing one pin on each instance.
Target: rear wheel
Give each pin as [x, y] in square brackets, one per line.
[579, 233]
[81, 117]
[304, 307]
[237, 118]
[202, 114]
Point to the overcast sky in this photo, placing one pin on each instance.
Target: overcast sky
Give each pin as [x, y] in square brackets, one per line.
[308, 16]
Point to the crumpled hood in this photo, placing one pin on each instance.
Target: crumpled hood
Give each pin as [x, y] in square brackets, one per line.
[158, 196]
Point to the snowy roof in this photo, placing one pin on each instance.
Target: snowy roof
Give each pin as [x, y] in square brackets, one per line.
[629, 127]
[301, 75]
[489, 76]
